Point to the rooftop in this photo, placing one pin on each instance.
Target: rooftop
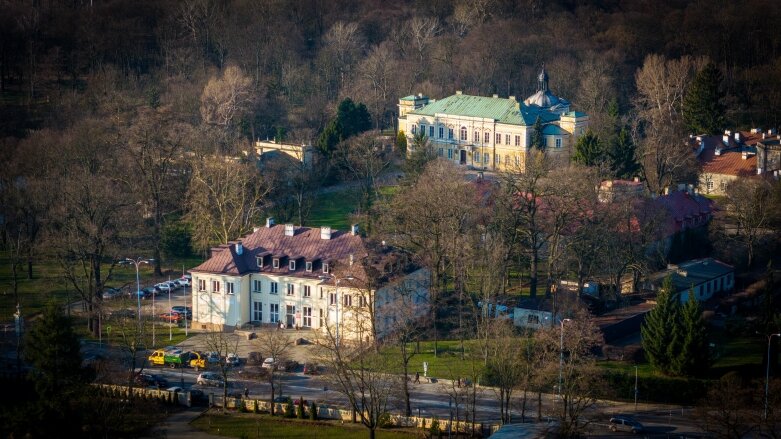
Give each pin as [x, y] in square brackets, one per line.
[730, 160]
[693, 272]
[508, 111]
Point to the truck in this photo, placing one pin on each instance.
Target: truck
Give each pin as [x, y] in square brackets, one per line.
[197, 360]
[172, 358]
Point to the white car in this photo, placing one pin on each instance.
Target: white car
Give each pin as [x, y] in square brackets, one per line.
[269, 363]
[185, 281]
[232, 359]
[209, 379]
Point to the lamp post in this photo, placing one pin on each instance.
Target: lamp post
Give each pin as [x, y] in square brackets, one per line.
[337, 280]
[767, 370]
[184, 299]
[561, 359]
[137, 262]
[170, 311]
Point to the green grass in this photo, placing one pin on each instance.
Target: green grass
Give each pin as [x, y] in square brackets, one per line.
[643, 370]
[447, 364]
[333, 209]
[266, 426]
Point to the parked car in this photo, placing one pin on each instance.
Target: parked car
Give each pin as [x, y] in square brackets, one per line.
[290, 365]
[625, 423]
[255, 358]
[111, 293]
[185, 281]
[147, 379]
[282, 399]
[171, 317]
[133, 293]
[165, 287]
[183, 310]
[311, 369]
[269, 363]
[212, 357]
[232, 359]
[210, 379]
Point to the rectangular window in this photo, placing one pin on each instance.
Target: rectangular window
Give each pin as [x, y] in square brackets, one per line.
[257, 286]
[477, 137]
[533, 319]
[558, 143]
[506, 139]
[332, 298]
[229, 287]
[441, 152]
[201, 284]
[441, 132]
[476, 156]
[486, 158]
[307, 317]
[431, 131]
[414, 129]
[308, 267]
[275, 263]
[291, 289]
[274, 288]
[273, 310]
[450, 133]
[291, 265]
[322, 316]
[498, 139]
[257, 311]
[307, 291]
[321, 292]
[517, 140]
[487, 138]
[497, 159]
[423, 129]
[216, 286]
[450, 154]
[325, 268]
[260, 261]
[347, 300]
[517, 160]
[463, 134]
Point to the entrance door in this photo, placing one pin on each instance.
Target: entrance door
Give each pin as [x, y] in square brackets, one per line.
[463, 157]
[290, 316]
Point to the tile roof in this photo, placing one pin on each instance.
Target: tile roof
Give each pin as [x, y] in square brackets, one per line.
[507, 111]
[306, 244]
[730, 161]
[684, 210]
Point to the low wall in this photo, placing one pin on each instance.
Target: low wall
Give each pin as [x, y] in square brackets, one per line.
[180, 398]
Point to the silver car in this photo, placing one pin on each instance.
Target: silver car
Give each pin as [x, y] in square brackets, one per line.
[210, 379]
[625, 423]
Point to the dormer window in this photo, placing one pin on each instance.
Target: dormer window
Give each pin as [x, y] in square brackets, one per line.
[308, 266]
[325, 267]
[275, 263]
[292, 265]
[260, 261]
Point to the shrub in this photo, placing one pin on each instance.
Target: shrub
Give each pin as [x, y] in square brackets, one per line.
[300, 407]
[290, 410]
[384, 420]
[256, 408]
[434, 429]
[313, 411]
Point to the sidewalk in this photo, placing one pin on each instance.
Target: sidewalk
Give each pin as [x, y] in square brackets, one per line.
[177, 426]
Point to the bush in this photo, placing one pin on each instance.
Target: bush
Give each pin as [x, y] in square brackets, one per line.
[290, 410]
[256, 407]
[384, 420]
[313, 412]
[300, 407]
[434, 430]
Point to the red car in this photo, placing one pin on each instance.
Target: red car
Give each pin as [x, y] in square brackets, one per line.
[171, 317]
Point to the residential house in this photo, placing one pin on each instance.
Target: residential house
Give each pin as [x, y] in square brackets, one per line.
[491, 133]
[706, 277]
[733, 155]
[302, 277]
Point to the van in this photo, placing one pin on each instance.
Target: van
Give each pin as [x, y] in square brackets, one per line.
[625, 423]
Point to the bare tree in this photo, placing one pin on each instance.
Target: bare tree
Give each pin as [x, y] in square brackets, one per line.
[275, 345]
[344, 44]
[134, 337]
[225, 99]
[223, 344]
[731, 410]
[747, 213]
[504, 369]
[224, 200]
[365, 159]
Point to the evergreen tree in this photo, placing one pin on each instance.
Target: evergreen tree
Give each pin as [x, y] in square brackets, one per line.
[401, 143]
[588, 150]
[658, 328]
[330, 137]
[622, 155]
[354, 119]
[538, 141]
[422, 153]
[693, 358]
[703, 110]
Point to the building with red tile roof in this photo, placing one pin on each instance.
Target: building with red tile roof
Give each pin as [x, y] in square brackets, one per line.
[733, 155]
[302, 277]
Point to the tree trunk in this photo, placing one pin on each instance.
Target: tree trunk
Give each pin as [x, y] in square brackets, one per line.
[539, 406]
[533, 274]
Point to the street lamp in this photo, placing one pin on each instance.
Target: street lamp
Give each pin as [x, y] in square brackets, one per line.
[337, 280]
[137, 262]
[767, 371]
[561, 357]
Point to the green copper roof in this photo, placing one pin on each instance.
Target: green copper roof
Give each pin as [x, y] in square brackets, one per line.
[575, 114]
[507, 111]
[408, 98]
[554, 130]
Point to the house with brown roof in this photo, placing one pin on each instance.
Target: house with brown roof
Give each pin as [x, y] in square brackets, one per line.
[731, 156]
[313, 278]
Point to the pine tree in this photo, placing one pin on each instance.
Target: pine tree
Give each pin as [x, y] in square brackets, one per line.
[588, 150]
[622, 155]
[658, 328]
[538, 141]
[693, 358]
[703, 110]
[330, 137]
[401, 143]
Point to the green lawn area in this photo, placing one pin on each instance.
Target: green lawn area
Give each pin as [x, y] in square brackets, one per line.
[333, 209]
[266, 426]
[447, 364]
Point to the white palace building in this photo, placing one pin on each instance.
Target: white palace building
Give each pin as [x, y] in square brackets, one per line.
[491, 133]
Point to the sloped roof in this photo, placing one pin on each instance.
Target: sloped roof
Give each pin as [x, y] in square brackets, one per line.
[554, 130]
[680, 206]
[306, 243]
[694, 272]
[730, 161]
[508, 111]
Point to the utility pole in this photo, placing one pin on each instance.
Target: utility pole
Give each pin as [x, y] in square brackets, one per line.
[635, 389]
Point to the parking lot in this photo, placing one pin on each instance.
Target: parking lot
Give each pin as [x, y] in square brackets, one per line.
[302, 353]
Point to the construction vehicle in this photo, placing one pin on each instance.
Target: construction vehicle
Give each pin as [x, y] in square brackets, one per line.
[197, 360]
[172, 358]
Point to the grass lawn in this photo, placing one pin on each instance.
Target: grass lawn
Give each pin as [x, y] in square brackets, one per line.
[447, 364]
[333, 209]
[266, 426]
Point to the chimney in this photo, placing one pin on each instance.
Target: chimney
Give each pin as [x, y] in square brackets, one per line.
[290, 230]
[354, 229]
[636, 179]
[738, 136]
[352, 259]
[667, 190]
[496, 95]
[269, 222]
[771, 132]
[325, 232]
[725, 140]
[255, 229]
[744, 155]
[458, 92]
[420, 95]
[512, 98]
[764, 136]
[239, 248]
[717, 152]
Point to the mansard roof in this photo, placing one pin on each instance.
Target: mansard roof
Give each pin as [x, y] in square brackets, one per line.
[507, 111]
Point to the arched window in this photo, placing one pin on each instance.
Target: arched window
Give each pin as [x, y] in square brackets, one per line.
[463, 133]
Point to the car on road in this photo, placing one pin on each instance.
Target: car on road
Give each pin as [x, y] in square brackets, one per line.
[111, 293]
[165, 287]
[210, 379]
[625, 423]
[269, 363]
[183, 310]
[232, 359]
[311, 369]
[171, 317]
